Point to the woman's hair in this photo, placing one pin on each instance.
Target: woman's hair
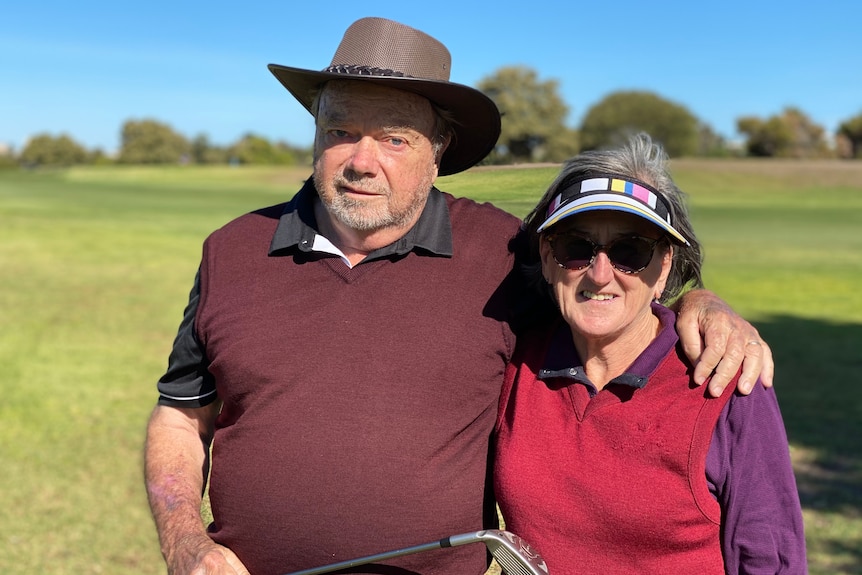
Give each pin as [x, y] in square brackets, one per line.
[640, 159]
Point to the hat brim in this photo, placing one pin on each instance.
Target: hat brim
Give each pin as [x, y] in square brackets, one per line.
[477, 119]
[610, 202]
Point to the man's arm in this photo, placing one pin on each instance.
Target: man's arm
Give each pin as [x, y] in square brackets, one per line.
[717, 340]
[176, 465]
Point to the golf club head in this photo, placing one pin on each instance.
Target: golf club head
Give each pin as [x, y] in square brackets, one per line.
[513, 554]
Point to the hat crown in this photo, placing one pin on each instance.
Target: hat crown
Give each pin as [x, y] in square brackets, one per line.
[385, 45]
[390, 54]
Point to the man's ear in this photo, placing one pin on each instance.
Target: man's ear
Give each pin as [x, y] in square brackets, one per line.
[442, 149]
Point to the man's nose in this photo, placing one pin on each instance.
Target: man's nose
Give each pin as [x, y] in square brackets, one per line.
[364, 159]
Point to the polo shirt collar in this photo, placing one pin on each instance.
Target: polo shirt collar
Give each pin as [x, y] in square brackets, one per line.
[297, 228]
[562, 359]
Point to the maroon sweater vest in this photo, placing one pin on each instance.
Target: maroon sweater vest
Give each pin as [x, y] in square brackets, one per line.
[609, 484]
[358, 403]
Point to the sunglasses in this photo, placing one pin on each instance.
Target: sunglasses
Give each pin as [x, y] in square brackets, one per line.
[628, 254]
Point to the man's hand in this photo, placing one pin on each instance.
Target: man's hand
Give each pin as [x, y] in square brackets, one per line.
[717, 340]
[201, 556]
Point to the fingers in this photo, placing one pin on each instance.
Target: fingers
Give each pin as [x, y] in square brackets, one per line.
[709, 342]
[727, 362]
[692, 346]
[719, 342]
[202, 556]
[751, 366]
[767, 374]
[234, 561]
[705, 363]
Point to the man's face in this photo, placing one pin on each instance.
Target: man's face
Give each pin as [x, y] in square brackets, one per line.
[374, 163]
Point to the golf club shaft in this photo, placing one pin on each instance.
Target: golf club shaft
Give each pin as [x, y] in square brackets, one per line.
[374, 558]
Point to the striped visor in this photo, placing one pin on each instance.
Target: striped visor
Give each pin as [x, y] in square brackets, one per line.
[611, 192]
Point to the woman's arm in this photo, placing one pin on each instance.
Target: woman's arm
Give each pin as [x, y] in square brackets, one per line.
[749, 470]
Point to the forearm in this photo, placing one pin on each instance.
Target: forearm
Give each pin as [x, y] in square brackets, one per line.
[176, 464]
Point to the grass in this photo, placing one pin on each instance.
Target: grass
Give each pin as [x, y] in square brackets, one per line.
[97, 263]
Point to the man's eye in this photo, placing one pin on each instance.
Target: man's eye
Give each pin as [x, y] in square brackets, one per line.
[397, 141]
[339, 133]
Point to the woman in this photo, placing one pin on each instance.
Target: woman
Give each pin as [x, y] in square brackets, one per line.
[608, 458]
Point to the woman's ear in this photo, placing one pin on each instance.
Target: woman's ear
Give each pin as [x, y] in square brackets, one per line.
[548, 262]
[666, 264]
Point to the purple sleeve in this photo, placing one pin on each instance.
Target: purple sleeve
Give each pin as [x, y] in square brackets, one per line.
[749, 471]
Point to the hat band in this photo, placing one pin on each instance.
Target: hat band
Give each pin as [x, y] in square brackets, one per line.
[354, 70]
[640, 191]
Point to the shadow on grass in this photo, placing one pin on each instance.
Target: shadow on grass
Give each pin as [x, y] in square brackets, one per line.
[819, 385]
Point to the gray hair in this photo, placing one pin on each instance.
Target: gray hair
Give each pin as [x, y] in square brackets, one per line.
[644, 160]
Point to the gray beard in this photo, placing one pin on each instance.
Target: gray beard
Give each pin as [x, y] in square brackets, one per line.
[357, 215]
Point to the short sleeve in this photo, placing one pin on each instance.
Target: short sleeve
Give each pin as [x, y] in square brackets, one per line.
[187, 381]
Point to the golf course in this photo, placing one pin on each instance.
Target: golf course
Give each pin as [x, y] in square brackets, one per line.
[96, 264]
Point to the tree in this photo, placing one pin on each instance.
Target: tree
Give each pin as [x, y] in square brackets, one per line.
[98, 157]
[763, 138]
[203, 152]
[151, 142]
[621, 114]
[253, 149]
[7, 157]
[711, 144]
[47, 150]
[852, 130]
[790, 134]
[533, 124]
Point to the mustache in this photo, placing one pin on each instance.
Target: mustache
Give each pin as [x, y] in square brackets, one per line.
[360, 184]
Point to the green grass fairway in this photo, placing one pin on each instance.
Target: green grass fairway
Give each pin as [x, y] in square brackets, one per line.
[96, 265]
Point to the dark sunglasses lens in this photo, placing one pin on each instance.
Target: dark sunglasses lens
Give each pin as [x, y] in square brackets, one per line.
[572, 252]
[630, 254]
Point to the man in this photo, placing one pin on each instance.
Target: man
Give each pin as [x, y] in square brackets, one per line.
[344, 351]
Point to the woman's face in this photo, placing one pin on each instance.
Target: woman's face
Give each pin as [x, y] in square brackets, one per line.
[599, 302]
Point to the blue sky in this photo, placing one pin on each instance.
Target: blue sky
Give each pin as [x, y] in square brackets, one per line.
[85, 67]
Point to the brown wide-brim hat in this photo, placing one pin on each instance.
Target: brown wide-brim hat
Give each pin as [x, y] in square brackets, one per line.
[391, 54]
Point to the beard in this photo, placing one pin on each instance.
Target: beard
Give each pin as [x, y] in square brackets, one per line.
[374, 213]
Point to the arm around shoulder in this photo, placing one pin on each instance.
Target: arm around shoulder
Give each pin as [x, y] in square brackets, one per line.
[718, 341]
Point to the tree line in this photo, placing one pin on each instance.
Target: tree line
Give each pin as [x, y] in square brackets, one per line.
[152, 142]
[533, 130]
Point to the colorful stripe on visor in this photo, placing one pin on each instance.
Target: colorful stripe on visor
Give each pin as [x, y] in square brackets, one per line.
[611, 192]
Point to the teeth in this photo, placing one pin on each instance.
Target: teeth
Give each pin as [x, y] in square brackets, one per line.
[597, 296]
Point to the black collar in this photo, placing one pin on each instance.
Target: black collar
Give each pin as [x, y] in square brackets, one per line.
[297, 228]
[562, 359]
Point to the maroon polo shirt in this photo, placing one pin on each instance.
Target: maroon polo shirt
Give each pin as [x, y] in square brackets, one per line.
[646, 475]
[357, 402]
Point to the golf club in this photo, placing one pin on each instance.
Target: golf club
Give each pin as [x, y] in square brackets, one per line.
[512, 553]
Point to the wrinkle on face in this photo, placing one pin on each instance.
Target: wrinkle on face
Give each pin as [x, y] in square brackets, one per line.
[374, 159]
